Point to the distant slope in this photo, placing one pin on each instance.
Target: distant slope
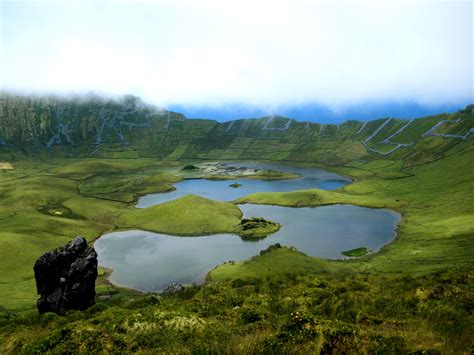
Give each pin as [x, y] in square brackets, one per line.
[128, 128]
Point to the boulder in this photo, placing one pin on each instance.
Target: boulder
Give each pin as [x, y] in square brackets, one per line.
[65, 277]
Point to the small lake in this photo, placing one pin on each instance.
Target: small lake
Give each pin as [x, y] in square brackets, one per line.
[148, 261]
[310, 178]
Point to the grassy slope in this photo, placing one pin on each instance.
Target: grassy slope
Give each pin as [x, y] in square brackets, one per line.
[295, 312]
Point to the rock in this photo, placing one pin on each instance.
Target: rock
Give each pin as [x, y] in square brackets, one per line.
[65, 277]
[172, 289]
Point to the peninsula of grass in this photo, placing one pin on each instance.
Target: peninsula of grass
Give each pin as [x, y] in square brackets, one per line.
[188, 215]
[317, 197]
[256, 227]
[357, 252]
[270, 175]
[267, 175]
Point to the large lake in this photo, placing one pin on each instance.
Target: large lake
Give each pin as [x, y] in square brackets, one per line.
[148, 261]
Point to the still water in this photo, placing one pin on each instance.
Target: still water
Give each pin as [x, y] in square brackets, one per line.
[310, 178]
[149, 261]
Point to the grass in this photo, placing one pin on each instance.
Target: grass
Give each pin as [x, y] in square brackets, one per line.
[273, 175]
[435, 232]
[414, 295]
[256, 227]
[188, 215]
[357, 252]
[300, 311]
[316, 197]
[279, 262]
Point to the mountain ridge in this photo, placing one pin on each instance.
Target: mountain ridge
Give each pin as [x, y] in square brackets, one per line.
[127, 127]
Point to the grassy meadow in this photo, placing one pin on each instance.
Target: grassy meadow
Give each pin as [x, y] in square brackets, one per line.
[415, 294]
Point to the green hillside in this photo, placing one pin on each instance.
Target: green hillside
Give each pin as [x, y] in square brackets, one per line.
[128, 128]
[77, 166]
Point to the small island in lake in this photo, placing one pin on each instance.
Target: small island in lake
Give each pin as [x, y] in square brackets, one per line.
[235, 185]
[257, 227]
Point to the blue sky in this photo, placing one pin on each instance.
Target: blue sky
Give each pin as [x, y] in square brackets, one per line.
[321, 60]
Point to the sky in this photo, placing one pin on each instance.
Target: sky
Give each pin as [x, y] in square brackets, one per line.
[323, 60]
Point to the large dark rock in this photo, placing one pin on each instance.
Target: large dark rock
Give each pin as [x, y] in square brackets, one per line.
[65, 277]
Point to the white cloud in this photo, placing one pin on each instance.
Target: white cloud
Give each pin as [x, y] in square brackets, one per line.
[265, 53]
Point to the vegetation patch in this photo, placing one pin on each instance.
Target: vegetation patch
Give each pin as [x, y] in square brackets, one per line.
[357, 252]
[291, 312]
[190, 167]
[235, 185]
[270, 174]
[188, 215]
[6, 166]
[58, 210]
[257, 227]
[316, 197]
[272, 262]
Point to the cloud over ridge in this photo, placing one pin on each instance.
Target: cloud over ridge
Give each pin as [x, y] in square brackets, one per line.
[260, 53]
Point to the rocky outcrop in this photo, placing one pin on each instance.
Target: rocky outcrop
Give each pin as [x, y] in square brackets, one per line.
[65, 277]
[172, 289]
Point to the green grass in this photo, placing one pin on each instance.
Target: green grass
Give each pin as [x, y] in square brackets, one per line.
[413, 295]
[306, 310]
[357, 252]
[188, 215]
[256, 227]
[137, 183]
[280, 261]
[273, 175]
[316, 197]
